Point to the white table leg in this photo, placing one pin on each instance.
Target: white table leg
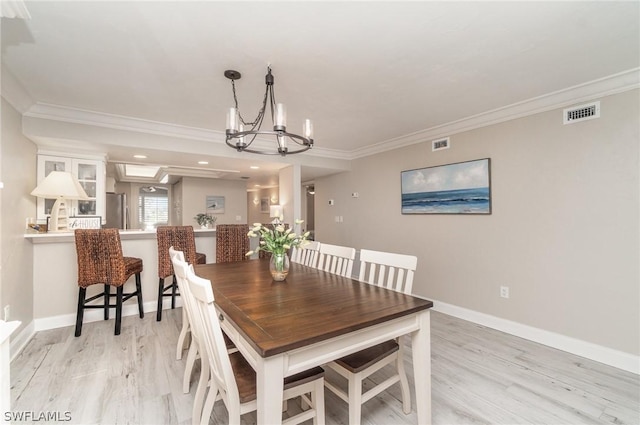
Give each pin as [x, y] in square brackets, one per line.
[270, 387]
[421, 344]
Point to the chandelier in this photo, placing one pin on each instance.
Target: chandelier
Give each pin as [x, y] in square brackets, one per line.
[239, 138]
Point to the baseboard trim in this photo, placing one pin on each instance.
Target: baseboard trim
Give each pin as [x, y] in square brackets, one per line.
[591, 351]
[95, 315]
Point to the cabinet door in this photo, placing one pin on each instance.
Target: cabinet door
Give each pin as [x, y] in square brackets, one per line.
[47, 164]
[91, 175]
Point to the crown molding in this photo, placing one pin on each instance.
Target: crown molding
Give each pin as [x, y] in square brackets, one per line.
[617, 83]
[613, 84]
[67, 114]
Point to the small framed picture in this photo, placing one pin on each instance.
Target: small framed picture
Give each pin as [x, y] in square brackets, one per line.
[215, 205]
[84, 222]
[264, 205]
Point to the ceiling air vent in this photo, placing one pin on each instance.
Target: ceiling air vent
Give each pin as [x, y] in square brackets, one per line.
[582, 113]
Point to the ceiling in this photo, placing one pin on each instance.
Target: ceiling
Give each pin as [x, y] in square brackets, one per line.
[369, 74]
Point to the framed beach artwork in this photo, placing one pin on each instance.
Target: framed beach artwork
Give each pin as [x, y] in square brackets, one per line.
[460, 188]
[215, 205]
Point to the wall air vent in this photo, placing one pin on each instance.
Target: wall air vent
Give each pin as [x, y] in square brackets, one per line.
[437, 145]
[582, 113]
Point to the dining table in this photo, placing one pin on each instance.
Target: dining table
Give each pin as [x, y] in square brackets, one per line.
[311, 318]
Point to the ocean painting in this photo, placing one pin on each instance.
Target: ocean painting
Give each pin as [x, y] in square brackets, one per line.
[461, 188]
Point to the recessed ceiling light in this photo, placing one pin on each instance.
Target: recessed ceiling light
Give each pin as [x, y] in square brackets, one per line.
[140, 156]
[203, 162]
[256, 185]
[254, 167]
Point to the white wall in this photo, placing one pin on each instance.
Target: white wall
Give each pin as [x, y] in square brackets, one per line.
[196, 190]
[564, 233]
[18, 173]
[254, 214]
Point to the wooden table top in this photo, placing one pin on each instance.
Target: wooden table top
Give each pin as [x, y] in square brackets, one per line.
[308, 307]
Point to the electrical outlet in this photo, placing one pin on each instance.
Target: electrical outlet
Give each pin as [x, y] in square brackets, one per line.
[7, 312]
[504, 291]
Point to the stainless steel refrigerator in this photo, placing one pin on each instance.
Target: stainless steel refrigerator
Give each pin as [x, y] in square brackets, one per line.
[117, 215]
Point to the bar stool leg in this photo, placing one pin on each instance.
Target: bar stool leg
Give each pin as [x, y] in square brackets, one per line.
[139, 295]
[118, 309]
[160, 292]
[80, 314]
[107, 295]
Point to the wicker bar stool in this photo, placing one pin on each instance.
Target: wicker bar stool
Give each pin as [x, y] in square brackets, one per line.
[100, 261]
[232, 242]
[182, 239]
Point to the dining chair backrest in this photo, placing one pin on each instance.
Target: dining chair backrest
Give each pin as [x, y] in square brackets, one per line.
[213, 348]
[306, 254]
[388, 270]
[180, 267]
[309, 254]
[336, 259]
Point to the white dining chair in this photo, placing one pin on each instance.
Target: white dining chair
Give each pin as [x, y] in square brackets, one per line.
[231, 377]
[306, 254]
[336, 259]
[390, 271]
[180, 267]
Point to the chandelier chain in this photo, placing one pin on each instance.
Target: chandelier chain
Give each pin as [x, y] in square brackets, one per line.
[260, 116]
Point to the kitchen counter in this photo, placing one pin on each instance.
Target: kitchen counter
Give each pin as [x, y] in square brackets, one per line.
[55, 274]
[130, 234]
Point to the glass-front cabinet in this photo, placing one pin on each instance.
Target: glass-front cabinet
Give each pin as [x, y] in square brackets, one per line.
[91, 176]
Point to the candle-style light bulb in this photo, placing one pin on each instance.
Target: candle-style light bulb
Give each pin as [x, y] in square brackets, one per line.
[240, 142]
[232, 120]
[307, 129]
[280, 119]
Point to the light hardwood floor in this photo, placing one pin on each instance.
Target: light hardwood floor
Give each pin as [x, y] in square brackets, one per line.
[479, 376]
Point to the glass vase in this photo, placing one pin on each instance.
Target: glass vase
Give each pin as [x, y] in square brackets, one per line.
[279, 266]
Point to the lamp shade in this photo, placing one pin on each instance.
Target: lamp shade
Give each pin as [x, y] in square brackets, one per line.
[275, 211]
[60, 184]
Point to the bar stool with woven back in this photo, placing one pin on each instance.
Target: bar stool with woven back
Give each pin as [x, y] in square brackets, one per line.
[182, 239]
[232, 242]
[100, 261]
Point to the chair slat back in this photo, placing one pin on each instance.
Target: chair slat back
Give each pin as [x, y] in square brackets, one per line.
[212, 346]
[336, 259]
[388, 270]
[182, 239]
[307, 254]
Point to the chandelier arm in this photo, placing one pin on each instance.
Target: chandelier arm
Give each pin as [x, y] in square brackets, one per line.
[302, 143]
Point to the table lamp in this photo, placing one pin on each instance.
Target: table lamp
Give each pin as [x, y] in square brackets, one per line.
[61, 186]
[275, 212]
